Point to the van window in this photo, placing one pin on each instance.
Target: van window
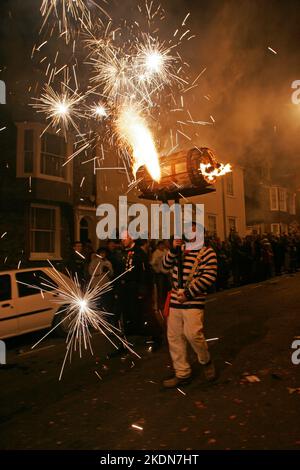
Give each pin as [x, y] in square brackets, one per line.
[5, 287]
[32, 282]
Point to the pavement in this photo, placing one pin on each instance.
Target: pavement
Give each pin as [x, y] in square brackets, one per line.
[119, 403]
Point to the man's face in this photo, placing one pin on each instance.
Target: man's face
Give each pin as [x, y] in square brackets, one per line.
[126, 240]
[111, 246]
[78, 247]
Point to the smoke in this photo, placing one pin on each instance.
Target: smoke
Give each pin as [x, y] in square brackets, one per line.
[249, 86]
[246, 88]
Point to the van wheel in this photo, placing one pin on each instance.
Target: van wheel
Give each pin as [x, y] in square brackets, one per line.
[63, 325]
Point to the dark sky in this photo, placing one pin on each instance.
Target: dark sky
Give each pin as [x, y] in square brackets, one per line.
[249, 86]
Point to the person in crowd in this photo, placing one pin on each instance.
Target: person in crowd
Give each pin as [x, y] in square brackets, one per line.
[135, 288]
[101, 272]
[88, 250]
[77, 264]
[161, 278]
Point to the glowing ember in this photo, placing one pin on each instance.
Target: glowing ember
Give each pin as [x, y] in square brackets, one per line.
[211, 172]
[154, 62]
[134, 132]
[100, 111]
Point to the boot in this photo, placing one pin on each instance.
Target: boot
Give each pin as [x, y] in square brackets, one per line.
[174, 382]
[210, 371]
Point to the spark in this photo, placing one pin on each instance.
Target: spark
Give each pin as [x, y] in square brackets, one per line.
[67, 12]
[3, 235]
[135, 426]
[272, 50]
[99, 111]
[184, 21]
[181, 391]
[133, 131]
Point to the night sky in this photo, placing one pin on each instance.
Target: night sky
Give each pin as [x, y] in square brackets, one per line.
[248, 85]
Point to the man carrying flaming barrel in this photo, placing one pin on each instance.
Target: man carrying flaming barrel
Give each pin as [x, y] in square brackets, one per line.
[193, 272]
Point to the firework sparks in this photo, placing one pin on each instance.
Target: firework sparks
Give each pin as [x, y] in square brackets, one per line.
[80, 312]
[134, 133]
[68, 12]
[60, 108]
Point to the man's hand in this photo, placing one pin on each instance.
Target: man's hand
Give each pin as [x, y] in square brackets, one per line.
[181, 297]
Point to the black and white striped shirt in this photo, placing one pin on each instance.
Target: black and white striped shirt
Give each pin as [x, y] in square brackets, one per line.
[203, 278]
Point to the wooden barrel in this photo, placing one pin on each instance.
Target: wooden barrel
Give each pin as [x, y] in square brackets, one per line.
[180, 173]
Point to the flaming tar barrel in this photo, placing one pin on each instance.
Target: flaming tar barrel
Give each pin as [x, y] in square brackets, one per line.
[180, 175]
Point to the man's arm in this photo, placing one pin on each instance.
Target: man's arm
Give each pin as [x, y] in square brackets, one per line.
[201, 283]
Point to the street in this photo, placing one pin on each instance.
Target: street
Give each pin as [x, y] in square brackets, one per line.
[119, 403]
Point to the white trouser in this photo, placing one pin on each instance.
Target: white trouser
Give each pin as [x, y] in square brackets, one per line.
[186, 325]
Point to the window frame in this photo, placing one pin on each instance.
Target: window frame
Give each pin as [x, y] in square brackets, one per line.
[235, 223]
[277, 225]
[282, 207]
[274, 207]
[38, 130]
[35, 256]
[215, 224]
[292, 203]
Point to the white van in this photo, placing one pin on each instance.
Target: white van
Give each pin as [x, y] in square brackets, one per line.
[24, 308]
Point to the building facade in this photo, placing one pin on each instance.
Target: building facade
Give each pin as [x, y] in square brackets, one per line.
[272, 201]
[224, 209]
[46, 201]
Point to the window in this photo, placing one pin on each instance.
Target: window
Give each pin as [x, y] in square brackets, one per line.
[53, 155]
[282, 200]
[28, 151]
[44, 232]
[84, 230]
[229, 184]
[32, 282]
[292, 203]
[275, 228]
[232, 224]
[42, 155]
[5, 287]
[274, 199]
[212, 224]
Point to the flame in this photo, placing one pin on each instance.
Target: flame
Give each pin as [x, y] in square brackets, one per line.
[135, 133]
[211, 172]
